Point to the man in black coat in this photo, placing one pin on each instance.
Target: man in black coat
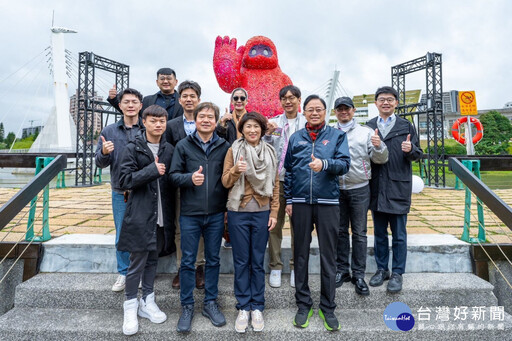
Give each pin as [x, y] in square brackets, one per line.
[391, 188]
[167, 97]
[177, 129]
[196, 168]
[144, 166]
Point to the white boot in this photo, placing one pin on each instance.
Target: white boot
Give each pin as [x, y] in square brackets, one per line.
[130, 322]
[150, 310]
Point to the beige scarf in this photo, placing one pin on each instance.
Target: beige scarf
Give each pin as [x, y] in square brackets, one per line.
[261, 170]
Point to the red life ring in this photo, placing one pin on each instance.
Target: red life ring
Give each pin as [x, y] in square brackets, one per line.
[460, 137]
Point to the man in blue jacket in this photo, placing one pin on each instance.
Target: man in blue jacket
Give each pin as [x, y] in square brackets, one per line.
[317, 155]
[391, 188]
[196, 168]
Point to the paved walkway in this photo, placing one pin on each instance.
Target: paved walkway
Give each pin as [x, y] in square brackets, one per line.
[89, 210]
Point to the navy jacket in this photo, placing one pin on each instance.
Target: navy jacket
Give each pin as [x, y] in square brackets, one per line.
[211, 196]
[391, 182]
[301, 183]
[139, 175]
[172, 112]
[175, 131]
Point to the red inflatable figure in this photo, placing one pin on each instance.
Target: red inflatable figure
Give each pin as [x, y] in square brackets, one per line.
[253, 67]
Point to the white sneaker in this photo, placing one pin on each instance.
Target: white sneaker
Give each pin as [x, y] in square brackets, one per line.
[150, 310]
[257, 320]
[242, 321]
[292, 279]
[275, 278]
[119, 284]
[130, 322]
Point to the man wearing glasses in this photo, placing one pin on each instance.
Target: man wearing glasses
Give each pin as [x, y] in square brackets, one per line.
[280, 128]
[167, 97]
[113, 139]
[391, 187]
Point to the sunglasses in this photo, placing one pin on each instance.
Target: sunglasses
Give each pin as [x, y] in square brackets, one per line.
[241, 98]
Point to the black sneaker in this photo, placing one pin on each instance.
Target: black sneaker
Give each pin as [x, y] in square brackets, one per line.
[302, 317]
[330, 321]
[211, 310]
[379, 278]
[185, 321]
[342, 278]
[395, 283]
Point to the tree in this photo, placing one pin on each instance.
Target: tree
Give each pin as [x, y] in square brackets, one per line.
[497, 133]
[2, 132]
[10, 139]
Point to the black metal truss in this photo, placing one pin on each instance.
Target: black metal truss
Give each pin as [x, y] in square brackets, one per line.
[88, 107]
[432, 110]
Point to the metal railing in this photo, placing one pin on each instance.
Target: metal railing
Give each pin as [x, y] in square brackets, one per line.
[15, 205]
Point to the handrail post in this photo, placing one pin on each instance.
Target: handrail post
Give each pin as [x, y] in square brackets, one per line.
[41, 162]
[474, 167]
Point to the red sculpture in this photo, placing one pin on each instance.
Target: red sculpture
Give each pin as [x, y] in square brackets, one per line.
[253, 67]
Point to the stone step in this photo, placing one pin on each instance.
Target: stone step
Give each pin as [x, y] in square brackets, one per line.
[367, 324]
[92, 291]
[96, 253]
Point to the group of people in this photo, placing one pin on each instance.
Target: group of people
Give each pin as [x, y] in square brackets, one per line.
[182, 178]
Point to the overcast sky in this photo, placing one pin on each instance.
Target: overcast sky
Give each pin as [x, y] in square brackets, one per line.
[362, 39]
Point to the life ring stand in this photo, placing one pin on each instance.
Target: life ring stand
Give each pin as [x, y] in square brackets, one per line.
[460, 137]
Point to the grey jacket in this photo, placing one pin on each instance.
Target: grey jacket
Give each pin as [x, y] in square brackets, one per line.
[361, 152]
[277, 139]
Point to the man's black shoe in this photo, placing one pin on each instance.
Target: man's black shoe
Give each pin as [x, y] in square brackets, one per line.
[330, 321]
[395, 283]
[302, 317]
[379, 278]
[185, 321]
[211, 310]
[342, 278]
[361, 287]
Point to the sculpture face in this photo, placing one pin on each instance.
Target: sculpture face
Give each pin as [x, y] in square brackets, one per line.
[260, 53]
[254, 67]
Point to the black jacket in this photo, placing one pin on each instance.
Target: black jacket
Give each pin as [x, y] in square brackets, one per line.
[175, 131]
[211, 196]
[228, 133]
[172, 112]
[139, 175]
[391, 182]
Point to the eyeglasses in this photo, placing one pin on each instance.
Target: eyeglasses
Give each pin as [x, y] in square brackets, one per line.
[241, 98]
[389, 99]
[163, 78]
[289, 98]
[312, 110]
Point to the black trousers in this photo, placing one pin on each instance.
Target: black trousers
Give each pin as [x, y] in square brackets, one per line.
[326, 219]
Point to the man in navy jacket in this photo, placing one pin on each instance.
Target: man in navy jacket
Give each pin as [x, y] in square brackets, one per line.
[391, 188]
[317, 155]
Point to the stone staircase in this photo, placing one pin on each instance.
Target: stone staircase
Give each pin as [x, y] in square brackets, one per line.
[72, 300]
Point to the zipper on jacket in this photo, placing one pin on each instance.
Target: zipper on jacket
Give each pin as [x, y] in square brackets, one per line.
[206, 180]
[311, 177]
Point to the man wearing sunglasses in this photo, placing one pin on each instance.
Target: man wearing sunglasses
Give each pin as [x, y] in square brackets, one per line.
[167, 97]
[391, 188]
[280, 128]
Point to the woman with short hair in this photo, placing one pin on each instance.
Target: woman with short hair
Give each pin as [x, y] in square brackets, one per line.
[250, 173]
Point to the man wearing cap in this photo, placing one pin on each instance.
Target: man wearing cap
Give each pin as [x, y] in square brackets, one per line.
[167, 97]
[365, 147]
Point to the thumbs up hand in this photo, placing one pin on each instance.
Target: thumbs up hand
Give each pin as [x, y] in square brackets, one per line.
[198, 177]
[376, 139]
[160, 166]
[241, 165]
[406, 145]
[112, 92]
[316, 164]
[107, 146]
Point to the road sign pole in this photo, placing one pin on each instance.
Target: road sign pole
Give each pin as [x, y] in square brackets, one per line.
[470, 148]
